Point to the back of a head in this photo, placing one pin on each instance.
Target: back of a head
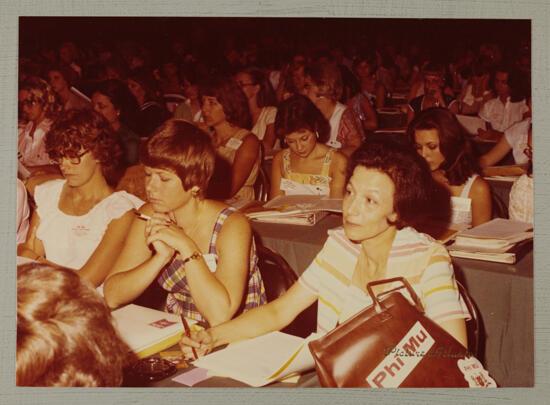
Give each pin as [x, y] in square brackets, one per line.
[65, 335]
[408, 171]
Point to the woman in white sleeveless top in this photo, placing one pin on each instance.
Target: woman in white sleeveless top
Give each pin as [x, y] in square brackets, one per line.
[306, 166]
[80, 222]
[439, 138]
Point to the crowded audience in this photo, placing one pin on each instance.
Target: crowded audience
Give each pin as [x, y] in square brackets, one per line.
[135, 158]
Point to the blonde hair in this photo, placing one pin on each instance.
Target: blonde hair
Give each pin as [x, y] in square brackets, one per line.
[65, 335]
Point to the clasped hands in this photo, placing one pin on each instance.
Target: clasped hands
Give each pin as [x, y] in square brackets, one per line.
[166, 237]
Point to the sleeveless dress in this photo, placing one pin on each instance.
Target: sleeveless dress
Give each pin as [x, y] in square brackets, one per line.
[228, 152]
[173, 280]
[305, 183]
[462, 205]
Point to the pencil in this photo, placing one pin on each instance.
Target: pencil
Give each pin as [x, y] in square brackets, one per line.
[188, 333]
[142, 216]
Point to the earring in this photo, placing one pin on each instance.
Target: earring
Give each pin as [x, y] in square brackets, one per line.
[195, 192]
[317, 134]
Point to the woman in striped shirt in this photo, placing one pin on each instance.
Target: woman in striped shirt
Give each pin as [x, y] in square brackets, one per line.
[387, 192]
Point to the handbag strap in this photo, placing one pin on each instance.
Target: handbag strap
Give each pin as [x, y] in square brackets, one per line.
[378, 306]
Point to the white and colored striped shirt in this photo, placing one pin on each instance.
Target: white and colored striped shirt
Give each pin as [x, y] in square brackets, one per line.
[419, 258]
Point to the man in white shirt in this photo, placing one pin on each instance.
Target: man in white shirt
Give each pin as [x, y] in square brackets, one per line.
[501, 112]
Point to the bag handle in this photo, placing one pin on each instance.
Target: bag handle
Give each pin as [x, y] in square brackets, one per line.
[378, 305]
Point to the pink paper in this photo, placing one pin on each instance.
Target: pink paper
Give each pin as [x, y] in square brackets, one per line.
[192, 377]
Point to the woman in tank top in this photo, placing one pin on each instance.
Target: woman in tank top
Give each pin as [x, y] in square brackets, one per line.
[201, 251]
[225, 111]
[439, 138]
[306, 165]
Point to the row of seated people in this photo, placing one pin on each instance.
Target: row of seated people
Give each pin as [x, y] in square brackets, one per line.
[202, 251]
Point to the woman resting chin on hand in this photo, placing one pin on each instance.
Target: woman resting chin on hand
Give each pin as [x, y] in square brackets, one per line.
[201, 251]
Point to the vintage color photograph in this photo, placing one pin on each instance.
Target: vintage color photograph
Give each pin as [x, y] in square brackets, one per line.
[274, 202]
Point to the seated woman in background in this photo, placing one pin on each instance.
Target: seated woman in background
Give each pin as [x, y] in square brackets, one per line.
[190, 110]
[386, 193]
[40, 107]
[372, 93]
[225, 110]
[200, 250]
[79, 222]
[514, 139]
[65, 332]
[439, 138]
[151, 114]
[61, 78]
[521, 194]
[307, 165]
[323, 86]
[113, 100]
[261, 102]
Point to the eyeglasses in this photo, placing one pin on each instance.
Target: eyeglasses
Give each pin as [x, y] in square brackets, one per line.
[74, 160]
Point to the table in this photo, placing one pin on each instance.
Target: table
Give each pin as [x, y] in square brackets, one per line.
[503, 294]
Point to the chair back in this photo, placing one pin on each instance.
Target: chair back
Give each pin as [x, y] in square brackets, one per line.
[261, 186]
[278, 277]
[498, 207]
[172, 100]
[473, 325]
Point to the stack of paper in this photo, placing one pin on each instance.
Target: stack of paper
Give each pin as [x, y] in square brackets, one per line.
[261, 360]
[495, 240]
[295, 209]
[148, 331]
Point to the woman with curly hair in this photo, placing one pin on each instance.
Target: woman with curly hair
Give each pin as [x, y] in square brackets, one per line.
[61, 78]
[439, 138]
[40, 107]
[65, 332]
[225, 110]
[307, 165]
[79, 222]
[261, 101]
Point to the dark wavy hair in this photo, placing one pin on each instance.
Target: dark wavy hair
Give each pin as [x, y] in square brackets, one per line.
[408, 171]
[298, 113]
[231, 97]
[87, 130]
[460, 162]
[65, 334]
[182, 148]
[121, 98]
[70, 76]
[145, 78]
[266, 95]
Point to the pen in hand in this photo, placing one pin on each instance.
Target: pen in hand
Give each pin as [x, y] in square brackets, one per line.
[188, 333]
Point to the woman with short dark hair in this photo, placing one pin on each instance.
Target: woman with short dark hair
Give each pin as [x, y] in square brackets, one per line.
[201, 251]
[306, 165]
[387, 192]
[439, 138]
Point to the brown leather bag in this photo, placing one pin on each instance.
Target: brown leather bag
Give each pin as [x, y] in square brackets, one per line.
[393, 344]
